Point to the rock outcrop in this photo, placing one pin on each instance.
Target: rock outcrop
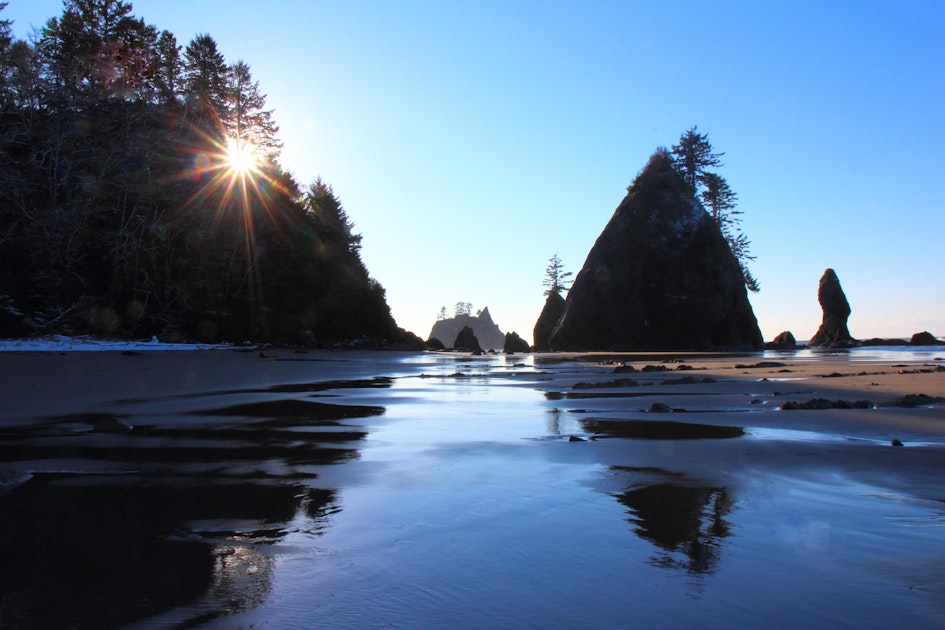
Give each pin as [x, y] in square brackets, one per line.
[514, 343]
[784, 341]
[550, 314]
[434, 344]
[466, 340]
[925, 338]
[660, 277]
[833, 332]
[482, 325]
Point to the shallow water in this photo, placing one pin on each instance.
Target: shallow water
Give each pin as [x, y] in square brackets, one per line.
[455, 493]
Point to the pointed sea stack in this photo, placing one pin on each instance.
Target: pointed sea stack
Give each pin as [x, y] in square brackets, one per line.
[466, 340]
[660, 277]
[833, 332]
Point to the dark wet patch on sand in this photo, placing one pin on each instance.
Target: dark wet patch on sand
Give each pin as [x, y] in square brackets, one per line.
[823, 403]
[292, 408]
[582, 395]
[380, 382]
[658, 430]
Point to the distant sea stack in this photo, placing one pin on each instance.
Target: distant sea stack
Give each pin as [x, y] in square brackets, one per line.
[784, 341]
[466, 340]
[833, 332]
[514, 343]
[660, 277]
[486, 330]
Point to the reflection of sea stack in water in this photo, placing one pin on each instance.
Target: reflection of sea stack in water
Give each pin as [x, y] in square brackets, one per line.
[660, 277]
[833, 332]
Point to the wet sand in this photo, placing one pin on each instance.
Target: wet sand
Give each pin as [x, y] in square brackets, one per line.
[299, 489]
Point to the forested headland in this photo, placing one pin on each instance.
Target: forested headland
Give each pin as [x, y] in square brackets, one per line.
[141, 194]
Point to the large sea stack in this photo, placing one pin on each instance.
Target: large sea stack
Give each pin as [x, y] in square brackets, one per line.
[833, 332]
[660, 277]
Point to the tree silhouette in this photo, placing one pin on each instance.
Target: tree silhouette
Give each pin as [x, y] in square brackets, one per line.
[120, 214]
[692, 159]
[249, 123]
[693, 156]
[205, 77]
[556, 278]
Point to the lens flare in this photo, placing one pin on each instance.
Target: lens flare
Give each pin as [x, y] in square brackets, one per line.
[240, 158]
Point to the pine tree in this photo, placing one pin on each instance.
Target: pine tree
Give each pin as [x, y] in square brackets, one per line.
[168, 79]
[556, 278]
[249, 123]
[719, 198]
[693, 156]
[692, 159]
[332, 227]
[205, 78]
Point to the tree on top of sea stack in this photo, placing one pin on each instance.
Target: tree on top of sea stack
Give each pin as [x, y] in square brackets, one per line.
[693, 157]
[556, 281]
[661, 276]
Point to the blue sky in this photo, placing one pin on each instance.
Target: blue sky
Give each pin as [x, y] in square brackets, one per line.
[472, 140]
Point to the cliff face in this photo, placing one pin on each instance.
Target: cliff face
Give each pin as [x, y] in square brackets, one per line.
[486, 330]
[660, 277]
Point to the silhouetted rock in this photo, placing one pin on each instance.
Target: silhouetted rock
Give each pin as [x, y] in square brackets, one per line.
[784, 341]
[435, 344]
[514, 343]
[405, 340]
[550, 314]
[466, 340]
[833, 332]
[486, 330]
[925, 338]
[877, 341]
[661, 277]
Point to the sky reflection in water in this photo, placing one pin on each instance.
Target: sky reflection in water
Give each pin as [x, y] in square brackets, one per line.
[461, 502]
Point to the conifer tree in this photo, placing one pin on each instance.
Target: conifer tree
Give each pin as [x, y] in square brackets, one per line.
[556, 278]
[249, 123]
[168, 76]
[205, 78]
[693, 158]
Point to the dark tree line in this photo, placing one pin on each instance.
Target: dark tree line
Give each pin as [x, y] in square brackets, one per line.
[123, 210]
[693, 159]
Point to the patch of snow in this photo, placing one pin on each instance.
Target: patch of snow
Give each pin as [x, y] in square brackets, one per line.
[61, 343]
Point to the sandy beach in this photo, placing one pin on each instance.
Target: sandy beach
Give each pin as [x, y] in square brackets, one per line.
[232, 488]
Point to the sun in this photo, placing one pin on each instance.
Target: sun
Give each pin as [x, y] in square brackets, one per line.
[240, 158]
